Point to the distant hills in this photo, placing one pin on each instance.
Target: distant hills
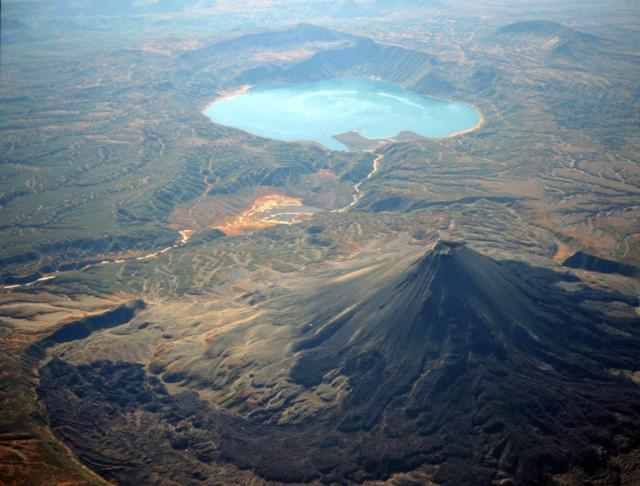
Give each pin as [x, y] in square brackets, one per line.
[543, 29]
[64, 8]
[329, 53]
[290, 38]
[558, 41]
[360, 58]
[406, 3]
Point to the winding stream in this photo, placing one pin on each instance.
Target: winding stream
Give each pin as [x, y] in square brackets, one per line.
[184, 238]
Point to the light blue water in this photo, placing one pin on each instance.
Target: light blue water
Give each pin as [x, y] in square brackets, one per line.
[319, 110]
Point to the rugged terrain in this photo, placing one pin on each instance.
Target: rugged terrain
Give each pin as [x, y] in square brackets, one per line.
[470, 369]
[454, 311]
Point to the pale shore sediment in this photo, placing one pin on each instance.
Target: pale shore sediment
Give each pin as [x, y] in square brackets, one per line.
[477, 126]
[231, 93]
[238, 91]
[383, 141]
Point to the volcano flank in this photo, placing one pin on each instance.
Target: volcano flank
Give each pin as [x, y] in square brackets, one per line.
[448, 365]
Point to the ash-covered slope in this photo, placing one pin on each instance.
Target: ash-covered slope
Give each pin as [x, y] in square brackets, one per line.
[472, 370]
[451, 314]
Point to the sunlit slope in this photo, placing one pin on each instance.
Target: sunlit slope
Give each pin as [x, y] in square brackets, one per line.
[449, 362]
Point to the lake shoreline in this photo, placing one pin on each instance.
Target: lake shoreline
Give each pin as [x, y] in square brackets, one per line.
[474, 128]
[227, 94]
[418, 126]
[404, 136]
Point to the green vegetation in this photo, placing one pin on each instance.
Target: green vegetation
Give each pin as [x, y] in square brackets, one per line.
[115, 190]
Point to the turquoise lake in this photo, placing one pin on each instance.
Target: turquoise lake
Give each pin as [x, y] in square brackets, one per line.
[317, 111]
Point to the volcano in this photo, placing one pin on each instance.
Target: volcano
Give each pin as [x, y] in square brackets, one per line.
[449, 367]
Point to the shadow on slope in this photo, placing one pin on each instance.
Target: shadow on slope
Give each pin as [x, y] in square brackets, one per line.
[475, 369]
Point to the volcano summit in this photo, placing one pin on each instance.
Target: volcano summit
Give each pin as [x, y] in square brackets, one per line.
[452, 363]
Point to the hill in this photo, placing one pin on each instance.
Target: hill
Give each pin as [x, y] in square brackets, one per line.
[559, 42]
[290, 38]
[468, 369]
[544, 29]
